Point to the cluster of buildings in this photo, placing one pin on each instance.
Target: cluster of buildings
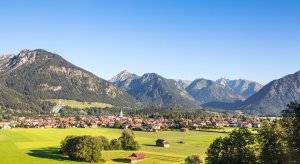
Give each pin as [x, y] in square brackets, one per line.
[135, 123]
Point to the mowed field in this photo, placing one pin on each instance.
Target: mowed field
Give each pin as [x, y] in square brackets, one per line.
[41, 146]
[81, 105]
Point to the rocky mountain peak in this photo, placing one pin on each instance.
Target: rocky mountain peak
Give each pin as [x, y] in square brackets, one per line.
[24, 57]
[223, 81]
[124, 75]
[149, 77]
[244, 87]
[184, 83]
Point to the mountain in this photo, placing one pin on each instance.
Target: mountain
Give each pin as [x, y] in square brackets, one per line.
[184, 83]
[154, 90]
[243, 87]
[212, 94]
[44, 75]
[274, 97]
[123, 80]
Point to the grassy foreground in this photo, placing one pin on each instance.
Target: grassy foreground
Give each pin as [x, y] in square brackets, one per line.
[36, 146]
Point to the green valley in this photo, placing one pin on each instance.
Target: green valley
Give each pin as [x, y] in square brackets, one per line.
[42, 145]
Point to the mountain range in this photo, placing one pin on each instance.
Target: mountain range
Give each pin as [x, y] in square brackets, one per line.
[245, 95]
[246, 88]
[213, 95]
[32, 76]
[154, 90]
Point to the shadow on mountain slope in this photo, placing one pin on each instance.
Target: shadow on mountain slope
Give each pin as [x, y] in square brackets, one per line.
[222, 105]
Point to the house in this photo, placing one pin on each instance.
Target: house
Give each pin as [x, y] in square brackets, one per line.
[94, 125]
[216, 124]
[247, 125]
[135, 157]
[6, 127]
[156, 128]
[47, 125]
[184, 129]
[256, 125]
[162, 143]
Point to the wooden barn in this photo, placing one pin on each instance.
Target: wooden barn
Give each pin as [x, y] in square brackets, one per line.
[135, 157]
[162, 143]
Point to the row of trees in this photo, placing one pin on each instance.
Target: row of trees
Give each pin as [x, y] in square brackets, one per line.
[88, 148]
[275, 143]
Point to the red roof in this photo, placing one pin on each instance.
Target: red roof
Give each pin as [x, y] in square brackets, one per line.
[138, 155]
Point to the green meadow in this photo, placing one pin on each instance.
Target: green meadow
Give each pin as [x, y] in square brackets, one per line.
[41, 146]
[80, 105]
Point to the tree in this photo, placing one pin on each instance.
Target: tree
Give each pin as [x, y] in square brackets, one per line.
[118, 124]
[104, 142]
[194, 159]
[291, 125]
[214, 151]
[115, 144]
[82, 148]
[272, 145]
[127, 140]
[66, 145]
[239, 148]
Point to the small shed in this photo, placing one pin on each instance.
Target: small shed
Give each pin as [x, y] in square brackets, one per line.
[162, 143]
[135, 157]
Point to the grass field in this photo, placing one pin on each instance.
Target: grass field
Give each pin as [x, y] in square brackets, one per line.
[81, 105]
[40, 146]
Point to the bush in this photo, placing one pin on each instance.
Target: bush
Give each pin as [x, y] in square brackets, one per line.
[82, 148]
[194, 159]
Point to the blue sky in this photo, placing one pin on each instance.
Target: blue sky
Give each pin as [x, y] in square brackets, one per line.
[251, 39]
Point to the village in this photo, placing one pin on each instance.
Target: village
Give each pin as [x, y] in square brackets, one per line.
[134, 123]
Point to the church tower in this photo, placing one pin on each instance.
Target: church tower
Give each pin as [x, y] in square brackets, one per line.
[121, 114]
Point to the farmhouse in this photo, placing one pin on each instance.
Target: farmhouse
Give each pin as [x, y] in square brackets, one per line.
[162, 143]
[246, 125]
[6, 127]
[135, 157]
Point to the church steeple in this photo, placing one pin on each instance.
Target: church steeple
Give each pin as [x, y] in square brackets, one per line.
[121, 114]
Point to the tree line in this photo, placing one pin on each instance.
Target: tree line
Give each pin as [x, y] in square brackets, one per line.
[276, 142]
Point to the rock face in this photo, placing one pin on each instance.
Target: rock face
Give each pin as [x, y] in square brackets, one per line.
[212, 94]
[43, 75]
[245, 88]
[184, 83]
[124, 80]
[154, 90]
[274, 97]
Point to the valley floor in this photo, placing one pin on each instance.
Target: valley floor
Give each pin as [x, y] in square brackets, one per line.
[36, 146]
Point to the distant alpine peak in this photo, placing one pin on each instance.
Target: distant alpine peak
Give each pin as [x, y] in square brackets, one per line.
[149, 77]
[122, 76]
[224, 80]
[25, 51]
